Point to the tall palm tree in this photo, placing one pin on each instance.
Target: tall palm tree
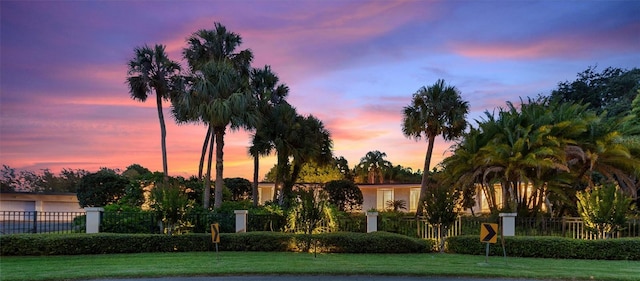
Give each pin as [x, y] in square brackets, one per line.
[219, 95]
[151, 70]
[434, 110]
[374, 165]
[311, 142]
[267, 93]
[298, 140]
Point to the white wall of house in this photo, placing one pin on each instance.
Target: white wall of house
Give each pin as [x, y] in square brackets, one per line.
[39, 202]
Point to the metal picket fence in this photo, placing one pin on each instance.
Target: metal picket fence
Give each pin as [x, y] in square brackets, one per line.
[14, 222]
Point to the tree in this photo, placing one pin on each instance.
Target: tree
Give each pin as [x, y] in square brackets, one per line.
[603, 209]
[240, 188]
[401, 174]
[441, 206]
[311, 173]
[267, 93]
[373, 165]
[305, 141]
[135, 170]
[219, 94]
[610, 91]
[170, 204]
[344, 194]
[343, 166]
[45, 181]
[101, 188]
[151, 70]
[311, 213]
[434, 110]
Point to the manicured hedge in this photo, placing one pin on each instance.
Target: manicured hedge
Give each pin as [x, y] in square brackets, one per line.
[550, 247]
[109, 243]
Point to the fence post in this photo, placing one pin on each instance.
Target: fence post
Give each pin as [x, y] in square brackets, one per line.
[508, 224]
[241, 220]
[93, 215]
[34, 229]
[372, 222]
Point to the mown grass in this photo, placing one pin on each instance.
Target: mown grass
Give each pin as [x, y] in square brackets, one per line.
[243, 263]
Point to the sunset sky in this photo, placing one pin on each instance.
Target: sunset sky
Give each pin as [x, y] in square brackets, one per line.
[353, 64]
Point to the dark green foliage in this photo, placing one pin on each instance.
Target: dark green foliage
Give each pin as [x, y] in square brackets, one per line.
[170, 204]
[257, 241]
[101, 188]
[119, 218]
[103, 243]
[240, 188]
[603, 209]
[66, 181]
[550, 247]
[376, 242]
[344, 194]
[611, 90]
[108, 243]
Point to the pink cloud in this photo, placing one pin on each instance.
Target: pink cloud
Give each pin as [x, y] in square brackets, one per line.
[573, 45]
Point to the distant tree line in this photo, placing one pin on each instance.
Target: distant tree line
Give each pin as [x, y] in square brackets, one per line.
[12, 180]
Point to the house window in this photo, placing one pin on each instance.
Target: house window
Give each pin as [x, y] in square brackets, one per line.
[414, 199]
[383, 196]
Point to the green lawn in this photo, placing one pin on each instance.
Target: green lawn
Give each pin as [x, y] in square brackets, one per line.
[230, 263]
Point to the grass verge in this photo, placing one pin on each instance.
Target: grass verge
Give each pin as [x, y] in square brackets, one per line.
[242, 263]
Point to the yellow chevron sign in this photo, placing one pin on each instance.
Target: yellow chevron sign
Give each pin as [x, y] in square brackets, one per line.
[215, 233]
[489, 233]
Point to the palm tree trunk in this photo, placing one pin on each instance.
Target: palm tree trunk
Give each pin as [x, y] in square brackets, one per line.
[254, 189]
[425, 176]
[280, 165]
[163, 138]
[219, 134]
[207, 180]
[204, 151]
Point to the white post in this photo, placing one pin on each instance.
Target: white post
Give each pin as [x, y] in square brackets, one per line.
[372, 222]
[508, 224]
[93, 219]
[241, 220]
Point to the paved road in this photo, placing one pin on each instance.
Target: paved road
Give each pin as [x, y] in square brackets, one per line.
[314, 278]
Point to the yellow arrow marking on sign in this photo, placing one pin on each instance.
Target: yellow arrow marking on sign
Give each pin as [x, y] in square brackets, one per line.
[215, 233]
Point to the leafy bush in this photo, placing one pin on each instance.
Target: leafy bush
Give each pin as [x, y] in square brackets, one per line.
[110, 243]
[604, 209]
[101, 188]
[376, 242]
[550, 247]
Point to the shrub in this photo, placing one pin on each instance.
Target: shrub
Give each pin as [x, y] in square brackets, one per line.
[101, 188]
[111, 243]
[376, 242]
[550, 247]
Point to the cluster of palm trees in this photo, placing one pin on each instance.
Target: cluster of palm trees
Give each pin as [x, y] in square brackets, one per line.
[374, 168]
[221, 90]
[540, 153]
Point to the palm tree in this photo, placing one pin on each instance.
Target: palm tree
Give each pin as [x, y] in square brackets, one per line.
[219, 95]
[266, 93]
[434, 110]
[151, 70]
[374, 165]
[298, 140]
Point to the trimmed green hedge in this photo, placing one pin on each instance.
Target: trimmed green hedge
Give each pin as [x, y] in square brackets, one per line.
[110, 243]
[549, 247]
